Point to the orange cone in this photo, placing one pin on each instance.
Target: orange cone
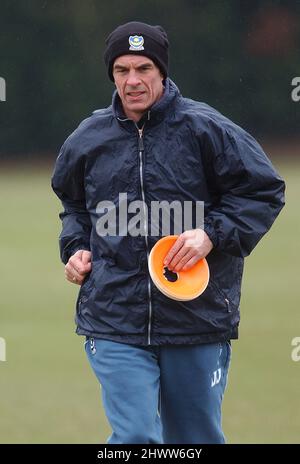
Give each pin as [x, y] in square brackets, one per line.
[182, 285]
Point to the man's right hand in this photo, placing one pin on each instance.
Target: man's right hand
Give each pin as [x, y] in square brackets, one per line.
[78, 266]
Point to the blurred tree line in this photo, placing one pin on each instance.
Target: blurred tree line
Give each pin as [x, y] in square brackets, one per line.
[238, 56]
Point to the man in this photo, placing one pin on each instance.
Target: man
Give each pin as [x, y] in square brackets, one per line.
[162, 364]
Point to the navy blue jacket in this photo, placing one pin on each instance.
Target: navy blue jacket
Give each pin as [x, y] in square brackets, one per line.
[190, 152]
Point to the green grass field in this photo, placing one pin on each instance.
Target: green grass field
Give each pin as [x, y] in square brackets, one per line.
[48, 393]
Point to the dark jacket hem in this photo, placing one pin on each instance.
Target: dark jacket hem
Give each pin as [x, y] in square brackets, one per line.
[162, 339]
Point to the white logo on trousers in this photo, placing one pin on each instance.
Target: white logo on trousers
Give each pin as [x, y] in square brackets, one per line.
[216, 377]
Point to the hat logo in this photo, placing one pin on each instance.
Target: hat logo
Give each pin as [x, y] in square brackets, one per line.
[136, 42]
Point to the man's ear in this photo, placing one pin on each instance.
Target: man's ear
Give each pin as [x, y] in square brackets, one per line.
[163, 79]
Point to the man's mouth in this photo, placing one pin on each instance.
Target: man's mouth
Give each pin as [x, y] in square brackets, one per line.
[135, 94]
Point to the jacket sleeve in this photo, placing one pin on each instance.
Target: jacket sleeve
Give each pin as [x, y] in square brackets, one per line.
[248, 193]
[68, 184]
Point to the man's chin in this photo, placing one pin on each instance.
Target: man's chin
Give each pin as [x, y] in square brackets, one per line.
[141, 107]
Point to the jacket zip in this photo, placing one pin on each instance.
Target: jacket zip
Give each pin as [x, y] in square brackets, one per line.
[228, 305]
[226, 301]
[141, 150]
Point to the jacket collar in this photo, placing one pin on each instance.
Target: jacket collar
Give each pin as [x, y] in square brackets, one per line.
[157, 111]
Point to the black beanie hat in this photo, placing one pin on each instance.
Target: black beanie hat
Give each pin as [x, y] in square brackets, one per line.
[137, 39]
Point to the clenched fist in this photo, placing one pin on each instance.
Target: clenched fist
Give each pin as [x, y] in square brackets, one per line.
[78, 266]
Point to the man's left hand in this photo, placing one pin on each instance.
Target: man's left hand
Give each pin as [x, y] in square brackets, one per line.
[190, 247]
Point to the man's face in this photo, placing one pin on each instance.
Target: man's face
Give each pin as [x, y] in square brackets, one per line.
[139, 84]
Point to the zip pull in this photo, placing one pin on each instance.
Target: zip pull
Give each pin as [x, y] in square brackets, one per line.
[92, 345]
[141, 142]
[228, 305]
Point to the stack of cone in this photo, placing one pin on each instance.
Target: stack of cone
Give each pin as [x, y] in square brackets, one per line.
[182, 285]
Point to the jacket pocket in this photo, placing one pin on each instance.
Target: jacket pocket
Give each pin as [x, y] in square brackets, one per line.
[95, 282]
[86, 288]
[221, 296]
[83, 295]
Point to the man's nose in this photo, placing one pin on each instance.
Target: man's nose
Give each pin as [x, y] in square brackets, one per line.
[133, 79]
